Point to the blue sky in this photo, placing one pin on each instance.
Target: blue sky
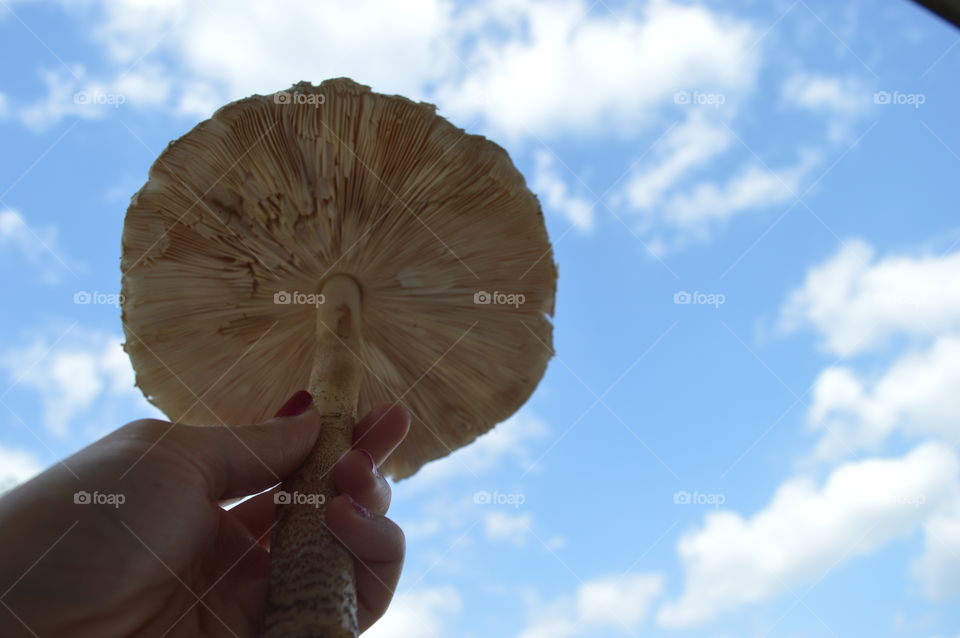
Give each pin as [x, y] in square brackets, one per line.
[776, 457]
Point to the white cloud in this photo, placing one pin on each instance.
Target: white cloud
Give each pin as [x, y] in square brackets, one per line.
[524, 69]
[752, 187]
[813, 91]
[511, 528]
[806, 530]
[938, 568]
[418, 614]
[77, 376]
[626, 599]
[674, 205]
[842, 100]
[523, 66]
[37, 247]
[613, 604]
[565, 68]
[17, 466]
[686, 147]
[74, 94]
[551, 187]
[917, 394]
[221, 50]
[508, 441]
[857, 302]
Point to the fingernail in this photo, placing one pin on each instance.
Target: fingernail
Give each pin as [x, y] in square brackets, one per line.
[296, 405]
[373, 463]
[360, 509]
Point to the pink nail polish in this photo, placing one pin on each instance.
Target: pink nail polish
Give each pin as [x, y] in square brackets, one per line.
[360, 509]
[373, 463]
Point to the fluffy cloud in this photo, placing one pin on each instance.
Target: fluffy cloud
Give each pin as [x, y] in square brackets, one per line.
[507, 442]
[192, 57]
[37, 247]
[592, 69]
[76, 94]
[523, 70]
[674, 204]
[684, 148]
[554, 192]
[78, 375]
[917, 394]
[611, 604]
[237, 49]
[806, 530]
[842, 100]
[938, 568]
[857, 302]
[564, 68]
[511, 528]
[418, 614]
[17, 466]
[455, 482]
[752, 187]
[815, 91]
[595, 71]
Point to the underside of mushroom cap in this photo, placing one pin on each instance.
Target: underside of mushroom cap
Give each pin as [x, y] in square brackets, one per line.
[227, 245]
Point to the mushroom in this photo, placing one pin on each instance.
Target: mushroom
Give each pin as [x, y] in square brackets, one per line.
[353, 243]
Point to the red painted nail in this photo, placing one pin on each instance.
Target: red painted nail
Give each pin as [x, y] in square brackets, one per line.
[296, 405]
[373, 463]
[360, 509]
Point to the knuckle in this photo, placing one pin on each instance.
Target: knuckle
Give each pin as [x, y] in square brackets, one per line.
[147, 428]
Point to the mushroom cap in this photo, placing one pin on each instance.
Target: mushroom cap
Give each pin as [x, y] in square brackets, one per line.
[226, 247]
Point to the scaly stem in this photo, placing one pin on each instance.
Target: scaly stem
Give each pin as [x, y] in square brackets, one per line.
[312, 584]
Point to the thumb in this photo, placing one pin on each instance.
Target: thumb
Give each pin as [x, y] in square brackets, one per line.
[240, 460]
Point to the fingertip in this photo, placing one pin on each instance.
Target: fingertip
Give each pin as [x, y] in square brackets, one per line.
[398, 413]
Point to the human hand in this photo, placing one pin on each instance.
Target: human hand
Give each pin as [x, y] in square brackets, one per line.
[153, 552]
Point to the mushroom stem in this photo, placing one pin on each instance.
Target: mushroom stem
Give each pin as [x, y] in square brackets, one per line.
[312, 586]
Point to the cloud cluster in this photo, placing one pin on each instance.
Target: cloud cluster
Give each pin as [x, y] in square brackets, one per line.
[806, 530]
[857, 304]
[528, 72]
[82, 378]
[37, 247]
[611, 604]
[423, 613]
